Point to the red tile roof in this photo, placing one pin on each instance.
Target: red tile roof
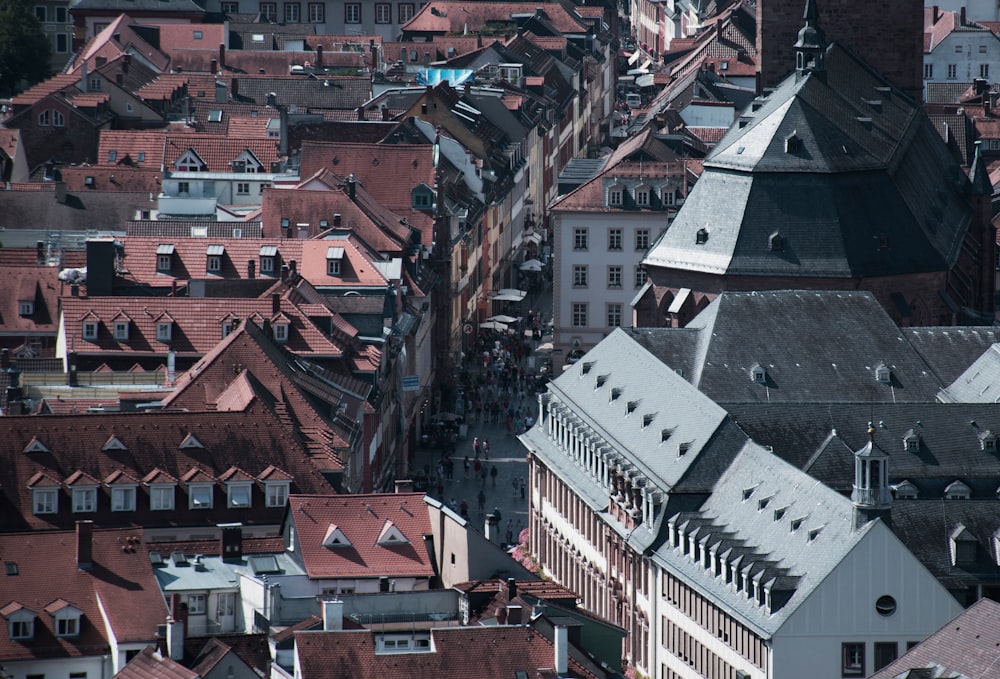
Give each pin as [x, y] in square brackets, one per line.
[120, 178]
[152, 664]
[253, 440]
[29, 282]
[447, 16]
[120, 588]
[362, 519]
[456, 653]
[197, 325]
[192, 36]
[217, 151]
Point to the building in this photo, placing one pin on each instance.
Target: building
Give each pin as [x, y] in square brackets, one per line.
[958, 50]
[827, 189]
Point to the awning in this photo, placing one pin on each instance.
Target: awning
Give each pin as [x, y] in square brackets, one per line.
[644, 80]
[493, 325]
[164, 249]
[509, 295]
[634, 58]
[647, 64]
[216, 250]
[535, 238]
[334, 253]
[502, 318]
[678, 303]
[268, 250]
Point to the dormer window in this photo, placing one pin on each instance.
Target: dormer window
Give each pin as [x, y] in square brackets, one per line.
[239, 495]
[190, 162]
[84, 499]
[391, 536]
[988, 441]
[123, 498]
[280, 331]
[616, 196]
[701, 237]
[964, 546]
[642, 197]
[121, 331]
[66, 617]
[334, 258]
[905, 490]
[668, 196]
[911, 442]
[164, 331]
[793, 144]
[334, 537]
[422, 198]
[883, 374]
[20, 622]
[957, 490]
[776, 243]
[200, 495]
[90, 331]
[215, 254]
[758, 373]
[25, 308]
[276, 493]
[268, 253]
[164, 257]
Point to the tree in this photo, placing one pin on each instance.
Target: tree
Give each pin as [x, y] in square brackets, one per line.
[24, 48]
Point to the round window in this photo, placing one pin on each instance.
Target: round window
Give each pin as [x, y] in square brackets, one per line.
[885, 605]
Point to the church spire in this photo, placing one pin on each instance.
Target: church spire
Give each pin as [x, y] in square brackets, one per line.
[810, 48]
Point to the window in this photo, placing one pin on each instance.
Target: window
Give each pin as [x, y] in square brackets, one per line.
[642, 239]
[614, 276]
[95, 84]
[333, 267]
[642, 197]
[615, 239]
[701, 237]
[579, 239]
[84, 500]
[853, 660]
[352, 13]
[885, 606]
[885, 653]
[277, 494]
[239, 495]
[267, 265]
[406, 10]
[261, 187]
[982, 49]
[122, 499]
[60, 15]
[44, 118]
[614, 315]
[46, 501]
[615, 196]
[984, 70]
[227, 329]
[183, 188]
[243, 188]
[214, 264]
[230, 8]
[580, 276]
[90, 330]
[280, 331]
[67, 627]
[163, 332]
[292, 13]
[161, 498]
[57, 119]
[579, 314]
[958, 48]
[112, 156]
[317, 13]
[952, 71]
[22, 629]
[196, 604]
[40, 13]
[640, 276]
[62, 42]
[383, 13]
[163, 263]
[197, 35]
[25, 308]
[668, 197]
[269, 11]
[200, 497]
[422, 199]
[121, 331]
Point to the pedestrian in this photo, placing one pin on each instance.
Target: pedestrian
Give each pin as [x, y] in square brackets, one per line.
[466, 465]
[522, 484]
[493, 475]
[515, 484]
[453, 505]
[475, 447]
[482, 501]
[486, 449]
[464, 509]
[449, 469]
[483, 476]
[496, 513]
[510, 532]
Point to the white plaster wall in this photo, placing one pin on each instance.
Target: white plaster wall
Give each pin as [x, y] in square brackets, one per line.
[968, 61]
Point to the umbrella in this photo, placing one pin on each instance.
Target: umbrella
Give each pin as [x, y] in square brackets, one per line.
[531, 265]
[510, 295]
[493, 325]
[502, 318]
[447, 417]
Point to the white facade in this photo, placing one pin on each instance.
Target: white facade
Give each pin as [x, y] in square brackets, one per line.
[330, 17]
[962, 56]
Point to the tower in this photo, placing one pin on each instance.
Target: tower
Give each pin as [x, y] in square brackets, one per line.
[810, 48]
[871, 495]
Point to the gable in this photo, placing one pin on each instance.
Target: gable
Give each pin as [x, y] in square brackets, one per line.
[334, 537]
[391, 535]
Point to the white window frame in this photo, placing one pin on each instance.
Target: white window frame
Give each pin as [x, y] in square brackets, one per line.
[123, 498]
[352, 13]
[269, 11]
[641, 239]
[163, 262]
[22, 630]
[239, 495]
[317, 13]
[614, 311]
[45, 500]
[45, 118]
[227, 329]
[25, 308]
[161, 497]
[615, 239]
[641, 276]
[333, 267]
[199, 490]
[580, 275]
[383, 13]
[84, 500]
[642, 197]
[67, 625]
[579, 314]
[276, 493]
[293, 12]
[164, 331]
[615, 276]
[405, 11]
[214, 264]
[616, 196]
[197, 604]
[59, 120]
[280, 332]
[121, 331]
[267, 265]
[242, 188]
[581, 238]
[90, 330]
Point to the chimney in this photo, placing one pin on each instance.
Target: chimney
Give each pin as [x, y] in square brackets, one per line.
[175, 639]
[222, 55]
[213, 66]
[283, 132]
[561, 644]
[319, 56]
[275, 302]
[84, 80]
[501, 616]
[5, 363]
[333, 615]
[511, 589]
[352, 187]
[513, 614]
[272, 100]
[386, 116]
[337, 219]
[234, 88]
[231, 541]
[402, 485]
[40, 252]
[961, 16]
[84, 545]
[251, 269]
[126, 62]
[292, 268]
[171, 368]
[71, 359]
[284, 272]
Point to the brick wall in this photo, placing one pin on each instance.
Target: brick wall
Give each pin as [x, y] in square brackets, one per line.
[887, 34]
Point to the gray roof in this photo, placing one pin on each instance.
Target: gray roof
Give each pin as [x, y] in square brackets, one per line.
[980, 383]
[845, 169]
[744, 513]
[950, 350]
[132, 6]
[815, 346]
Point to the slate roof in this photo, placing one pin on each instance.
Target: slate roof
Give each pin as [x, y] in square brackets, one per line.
[159, 6]
[120, 586]
[864, 188]
[839, 341]
[329, 92]
[362, 520]
[499, 651]
[980, 383]
[82, 211]
[446, 16]
[949, 351]
[793, 561]
[966, 646]
[196, 325]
